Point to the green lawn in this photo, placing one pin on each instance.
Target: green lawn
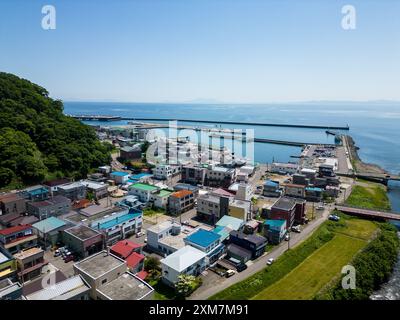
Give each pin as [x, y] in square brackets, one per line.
[315, 272]
[370, 195]
[309, 266]
[153, 211]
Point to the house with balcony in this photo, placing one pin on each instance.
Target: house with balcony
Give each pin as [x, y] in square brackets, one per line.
[143, 191]
[30, 263]
[119, 225]
[207, 241]
[8, 265]
[18, 238]
[180, 202]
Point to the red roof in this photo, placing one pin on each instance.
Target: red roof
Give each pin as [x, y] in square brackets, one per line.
[142, 274]
[134, 259]
[124, 248]
[223, 192]
[8, 231]
[181, 193]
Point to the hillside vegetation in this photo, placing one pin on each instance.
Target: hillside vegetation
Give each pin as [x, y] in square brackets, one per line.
[37, 141]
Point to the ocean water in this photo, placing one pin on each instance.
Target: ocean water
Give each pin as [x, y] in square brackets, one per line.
[374, 126]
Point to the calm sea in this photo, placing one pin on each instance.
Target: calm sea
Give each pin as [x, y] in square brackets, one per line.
[374, 127]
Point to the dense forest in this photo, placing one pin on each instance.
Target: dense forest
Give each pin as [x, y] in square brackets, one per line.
[37, 141]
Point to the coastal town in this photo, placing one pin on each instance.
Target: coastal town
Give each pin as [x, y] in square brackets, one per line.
[135, 230]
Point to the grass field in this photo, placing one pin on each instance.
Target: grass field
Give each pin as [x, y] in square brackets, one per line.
[304, 270]
[315, 272]
[369, 195]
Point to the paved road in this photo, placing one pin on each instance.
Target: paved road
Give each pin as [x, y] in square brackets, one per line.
[205, 292]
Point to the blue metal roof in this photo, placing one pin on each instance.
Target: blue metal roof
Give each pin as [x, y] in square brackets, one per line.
[49, 224]
[232, 222]
[314, 189]
[275, 224]
[271, 183]
[203, 238]
[139, 176]
[118, 220]
[119, 173]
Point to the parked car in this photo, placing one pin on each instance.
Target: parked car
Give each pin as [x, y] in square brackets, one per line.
[69, 258]
[57, 253]
[229, 273]
[287, 237]
[139, 234]
[334, 217]
[296, 229]
[241, 267]
[145, 240]
[270, 261]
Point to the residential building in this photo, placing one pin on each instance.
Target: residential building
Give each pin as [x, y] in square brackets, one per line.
[109, 279]
[230, 222]
[189, 187]
[8, 265]
[49, 231]
[253, 243]
[52, 185]
[98, 189]
[332, 191]
[119, 225]
[275, 230]
[313, 194]
[310, 174]
[166, 171]
[167, 237]
[143, 191]
[160, 198]
[207, 241]
[271, 189]
[12, 203]
[187, 260]
[218, 176]
[290, 209]
[131, 153]
[35, 193]
[18, 238]
[244, 192]
[119, 177]
[211, 208]
[124, 248]
[96, 177]
[130, 202]
[240, 209]
[251, 227]
[55, 206]
[301, 179]
[83, 241]
[74, 288]
[238, 252]
[180, 202]
[6, 220]
[284, 168]
[29, 263]
[23, 220]
[295, 190]
[10, 290]
[106, 170]
[142, 177]
[130, 252]
[73, 191]
[194, 174]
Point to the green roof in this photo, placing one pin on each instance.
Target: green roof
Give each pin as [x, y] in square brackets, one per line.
[49, 224]
[143, 186]
[164, 193]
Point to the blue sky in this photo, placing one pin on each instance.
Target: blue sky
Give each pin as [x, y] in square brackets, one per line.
[222, 50]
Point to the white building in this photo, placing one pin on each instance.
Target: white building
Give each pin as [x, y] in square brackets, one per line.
[165, 171]
[143, 191]
[167, 237]
[119, 177]
[285, 168]
[187, 260]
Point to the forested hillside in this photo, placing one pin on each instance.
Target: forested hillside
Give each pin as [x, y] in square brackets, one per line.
[37, 141]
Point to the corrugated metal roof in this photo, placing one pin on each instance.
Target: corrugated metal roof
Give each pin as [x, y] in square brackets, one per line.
[70, 287]
[49, 224]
